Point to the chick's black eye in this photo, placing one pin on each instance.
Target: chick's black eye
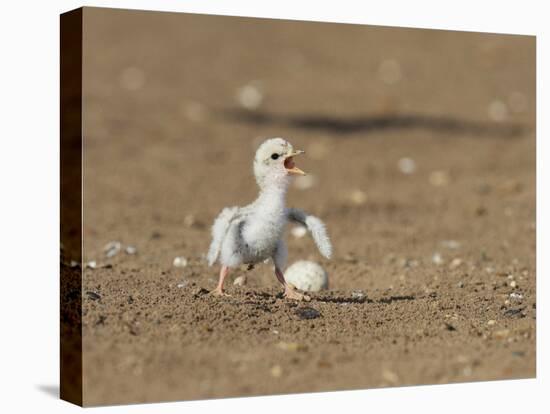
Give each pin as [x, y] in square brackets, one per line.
[274, 156]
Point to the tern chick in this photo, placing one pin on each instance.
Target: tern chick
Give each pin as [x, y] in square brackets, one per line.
[252, 234]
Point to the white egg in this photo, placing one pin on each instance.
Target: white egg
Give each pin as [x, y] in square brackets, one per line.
[307, 276]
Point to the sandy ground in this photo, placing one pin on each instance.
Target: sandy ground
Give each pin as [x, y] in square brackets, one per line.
[433, 276]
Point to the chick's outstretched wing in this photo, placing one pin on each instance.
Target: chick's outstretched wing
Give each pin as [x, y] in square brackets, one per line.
[316, 227]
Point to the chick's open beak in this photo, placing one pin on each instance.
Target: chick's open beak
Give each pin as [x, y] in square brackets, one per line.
[289, 163]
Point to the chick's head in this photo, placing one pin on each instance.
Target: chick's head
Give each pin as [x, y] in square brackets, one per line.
[274, 163]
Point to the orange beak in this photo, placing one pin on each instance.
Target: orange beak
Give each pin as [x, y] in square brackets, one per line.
[289, 163]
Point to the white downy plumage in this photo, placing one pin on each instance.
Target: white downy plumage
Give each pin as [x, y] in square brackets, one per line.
[252, 234]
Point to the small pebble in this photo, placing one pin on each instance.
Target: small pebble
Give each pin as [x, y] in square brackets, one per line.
[307, 313]
[93, 295]
[516, 296]
[455, 263]
[513, 284]
[298, 231]
[491, 322]
[180, 262]
[460, 284]
[240, 281]
[130, 250]
[200, 291]
[449, 327]
[406, 165]
[515, 313]
[74, 263]
[91, 264]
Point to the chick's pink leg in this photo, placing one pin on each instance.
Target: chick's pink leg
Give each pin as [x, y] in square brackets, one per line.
[290, 291]
[224, 271]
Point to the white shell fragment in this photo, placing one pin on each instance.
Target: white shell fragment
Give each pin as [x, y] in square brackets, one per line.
[111, 249]
[307, 276]
[437, 259]
[298, 231]
[180, 261]
[130, 250]
[250, 95]
[92, 264]
[358, 294]
[240, 281]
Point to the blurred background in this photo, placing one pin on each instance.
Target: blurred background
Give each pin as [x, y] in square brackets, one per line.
[421, 159]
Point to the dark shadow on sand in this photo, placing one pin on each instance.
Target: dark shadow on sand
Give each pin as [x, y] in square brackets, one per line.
[376, 123]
